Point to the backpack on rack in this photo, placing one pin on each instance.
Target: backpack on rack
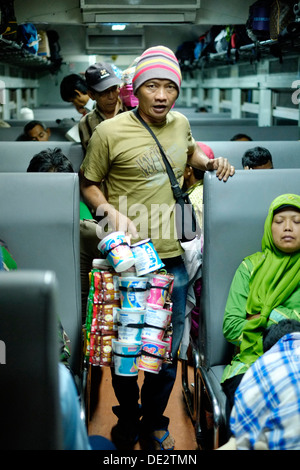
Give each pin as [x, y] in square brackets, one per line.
[293, 28]
[209, 40]
[239, 37]
[185, 53]
[258, 22]
[281, 15]
[199, 46]
[28, 37]
[222, 40]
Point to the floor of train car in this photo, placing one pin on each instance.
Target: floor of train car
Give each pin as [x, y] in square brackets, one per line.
[180, 427]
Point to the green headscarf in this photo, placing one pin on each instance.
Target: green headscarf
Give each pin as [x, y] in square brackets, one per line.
[274, 278]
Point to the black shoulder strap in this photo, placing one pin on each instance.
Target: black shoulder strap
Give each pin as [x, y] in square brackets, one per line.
[174, 183]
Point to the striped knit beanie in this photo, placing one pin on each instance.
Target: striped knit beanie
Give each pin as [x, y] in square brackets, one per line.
[157, 62]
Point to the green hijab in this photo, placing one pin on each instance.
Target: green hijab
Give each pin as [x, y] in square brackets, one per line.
[274, 278]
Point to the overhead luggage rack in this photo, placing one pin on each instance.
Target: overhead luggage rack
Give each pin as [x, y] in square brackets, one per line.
[12, 53]
[253, 52]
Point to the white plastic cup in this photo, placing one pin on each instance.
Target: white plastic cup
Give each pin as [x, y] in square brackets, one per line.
[126, 357]
[117, 251]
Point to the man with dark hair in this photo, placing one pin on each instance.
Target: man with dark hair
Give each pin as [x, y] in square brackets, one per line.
[36, 131]
[73, 89]
[241, 137]
[50, 161]
[257, 158]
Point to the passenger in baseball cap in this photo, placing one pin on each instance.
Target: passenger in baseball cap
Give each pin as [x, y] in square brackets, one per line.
[103, 87]
[100, 77]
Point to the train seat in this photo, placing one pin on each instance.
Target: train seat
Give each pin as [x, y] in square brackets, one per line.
[15, 156]
[29, 390]
[201, 120]
[40, 224]
[234, 215]
[224, 132]
[285, 154]
[10, 134]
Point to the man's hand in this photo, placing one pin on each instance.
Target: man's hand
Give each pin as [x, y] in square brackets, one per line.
[199, 160]
[116, 221]
[222, 166]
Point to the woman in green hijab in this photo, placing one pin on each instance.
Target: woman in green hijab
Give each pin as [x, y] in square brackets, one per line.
[265, 289]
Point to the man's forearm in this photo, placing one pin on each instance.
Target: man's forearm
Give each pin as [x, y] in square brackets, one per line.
[93, 196]
[198, 159]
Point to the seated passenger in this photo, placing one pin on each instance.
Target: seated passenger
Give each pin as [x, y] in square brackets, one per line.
[266, 412]
[241, 137]
[257, 158]
[193, 183]
[53, 160]
[265, 290]
[37, 131]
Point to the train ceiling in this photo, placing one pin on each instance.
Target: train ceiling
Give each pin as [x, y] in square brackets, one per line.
[85, 26]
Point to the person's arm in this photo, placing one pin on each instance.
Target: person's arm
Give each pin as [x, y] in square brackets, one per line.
[96, 199]
[83, 134]
[235, 316]
[199, 160]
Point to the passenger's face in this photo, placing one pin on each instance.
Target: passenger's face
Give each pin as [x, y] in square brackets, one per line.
[79, 101]
[265, 166]
[156, 98]
[107, 99]
[38, 133]
[286, 231]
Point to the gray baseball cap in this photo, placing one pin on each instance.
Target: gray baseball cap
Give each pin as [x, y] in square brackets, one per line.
[101, 76]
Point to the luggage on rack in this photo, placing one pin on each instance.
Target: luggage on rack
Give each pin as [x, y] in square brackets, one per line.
[44, 49]
[54, 46]
[258, 22]
[185, 53]
[28, 37]
[222, 40]
[281, 15]
[209, 40]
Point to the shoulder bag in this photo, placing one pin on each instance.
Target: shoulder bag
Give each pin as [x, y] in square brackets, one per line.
[186, 222]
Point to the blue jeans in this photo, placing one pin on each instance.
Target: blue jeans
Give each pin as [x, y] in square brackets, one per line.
[156, 388]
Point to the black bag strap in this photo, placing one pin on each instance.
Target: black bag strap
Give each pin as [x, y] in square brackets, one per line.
[174, 183]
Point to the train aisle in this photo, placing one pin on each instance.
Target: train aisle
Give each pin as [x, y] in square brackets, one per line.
[181, 427]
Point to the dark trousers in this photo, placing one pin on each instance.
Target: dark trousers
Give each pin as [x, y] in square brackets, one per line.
[229, 387]
[156, 388]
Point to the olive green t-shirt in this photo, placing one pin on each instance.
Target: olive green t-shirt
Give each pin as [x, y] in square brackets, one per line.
[123, 152]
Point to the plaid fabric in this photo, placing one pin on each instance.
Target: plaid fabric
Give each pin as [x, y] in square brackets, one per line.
[266, 411]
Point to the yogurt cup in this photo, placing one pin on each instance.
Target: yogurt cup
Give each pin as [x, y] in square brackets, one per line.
[117, 251]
